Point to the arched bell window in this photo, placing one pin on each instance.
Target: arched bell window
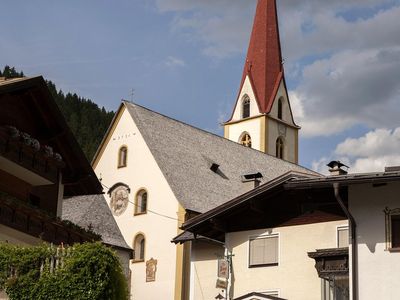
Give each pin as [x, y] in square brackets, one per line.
[279, 147]
[280, 108]
[245, 107]
[122, 157]
[141, 202]
[139, 244]
[245, 139]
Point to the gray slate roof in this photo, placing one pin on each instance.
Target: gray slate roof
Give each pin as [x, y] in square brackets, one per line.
[185, 154]
[92, 210]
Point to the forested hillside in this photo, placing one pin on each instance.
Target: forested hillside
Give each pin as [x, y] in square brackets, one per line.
[87, 121]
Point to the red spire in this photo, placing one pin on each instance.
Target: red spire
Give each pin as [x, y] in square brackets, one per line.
[264, 59]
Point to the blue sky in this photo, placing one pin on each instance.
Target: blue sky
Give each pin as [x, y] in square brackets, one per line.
[184, 58]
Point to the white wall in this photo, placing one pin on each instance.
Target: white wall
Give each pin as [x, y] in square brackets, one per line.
[378, 269]
[288, 134]
[295, 277]
[246, 90]
[286, 112]
[143, 172]
[277, 128]
[203, 270]
[252, 127]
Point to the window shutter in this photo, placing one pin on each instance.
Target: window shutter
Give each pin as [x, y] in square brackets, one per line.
[264, 251]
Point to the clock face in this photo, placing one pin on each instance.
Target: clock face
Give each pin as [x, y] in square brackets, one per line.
[119, 200]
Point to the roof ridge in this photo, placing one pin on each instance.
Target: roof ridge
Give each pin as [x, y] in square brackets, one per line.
[126, 102]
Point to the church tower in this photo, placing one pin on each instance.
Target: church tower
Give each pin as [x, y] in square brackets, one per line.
[262, 117]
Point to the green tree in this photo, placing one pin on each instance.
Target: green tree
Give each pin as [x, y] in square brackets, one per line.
[89, 271]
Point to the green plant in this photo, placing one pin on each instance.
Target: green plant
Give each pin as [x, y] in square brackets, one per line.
[84, 271]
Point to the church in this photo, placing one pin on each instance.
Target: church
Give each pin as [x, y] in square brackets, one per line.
[159, 172]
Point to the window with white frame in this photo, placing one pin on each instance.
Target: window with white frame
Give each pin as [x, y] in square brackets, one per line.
[264, 251]
[392, 220]
[342, 235]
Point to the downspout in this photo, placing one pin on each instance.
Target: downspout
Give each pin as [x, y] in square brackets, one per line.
[353, 226]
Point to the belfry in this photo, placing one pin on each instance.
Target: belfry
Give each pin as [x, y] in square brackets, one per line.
[262, 117]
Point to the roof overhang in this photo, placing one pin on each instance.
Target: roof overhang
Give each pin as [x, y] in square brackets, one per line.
[269, 205]
[28, 105]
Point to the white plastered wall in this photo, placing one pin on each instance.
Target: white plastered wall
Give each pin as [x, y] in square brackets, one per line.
[252, 127]
[142, 171]
[295, 277]
[203, 270]
[279, 129]
[289, 136]
[246, 90]
[378, 268]
[286, 113]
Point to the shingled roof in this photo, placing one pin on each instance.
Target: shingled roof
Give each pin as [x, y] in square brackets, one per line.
[92, 211]
[185, 155]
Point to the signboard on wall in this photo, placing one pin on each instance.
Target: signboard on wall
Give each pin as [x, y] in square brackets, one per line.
[223, 268]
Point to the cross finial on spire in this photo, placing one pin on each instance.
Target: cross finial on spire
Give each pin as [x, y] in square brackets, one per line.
[132, 94]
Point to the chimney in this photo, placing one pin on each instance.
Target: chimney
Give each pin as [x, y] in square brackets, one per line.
[251, 181]
[335, 168]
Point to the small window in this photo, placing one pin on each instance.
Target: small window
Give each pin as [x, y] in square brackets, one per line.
[279, 148]
[264, 251]
[395, 224]
[245, 140]
[138, 248]
[343, 236]
[280, 108]
[122, 157]
[141, 202]
[246, 107]
[392, 220]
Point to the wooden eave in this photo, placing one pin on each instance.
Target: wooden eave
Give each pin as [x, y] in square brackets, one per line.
[28, 105]
[39, 224]
[270, 205]
[331, 262]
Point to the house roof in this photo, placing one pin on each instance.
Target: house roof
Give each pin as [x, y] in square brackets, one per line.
[264, 59]
[345, 180]
[258, 295]
[185, 155]
[92, 211]
[27, 104]
[290, 192]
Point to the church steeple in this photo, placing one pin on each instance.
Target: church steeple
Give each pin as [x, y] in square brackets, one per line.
[262, 113]
[264, 59]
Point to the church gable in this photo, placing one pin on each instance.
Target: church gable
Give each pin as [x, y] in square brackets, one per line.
[246, 105]
[281, 109]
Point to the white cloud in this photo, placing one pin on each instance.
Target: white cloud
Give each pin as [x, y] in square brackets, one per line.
[372, 152]
[351, 87]
[174, 62]
[222, 27]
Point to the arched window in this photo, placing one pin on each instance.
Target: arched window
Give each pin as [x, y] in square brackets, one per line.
[139, 247]
[122, 156]
[279, 147]
[245, 107]
[141, 202]
[245, 140]
[280, 108]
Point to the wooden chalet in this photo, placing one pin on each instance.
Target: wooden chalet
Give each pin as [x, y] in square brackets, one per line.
[40, 163]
